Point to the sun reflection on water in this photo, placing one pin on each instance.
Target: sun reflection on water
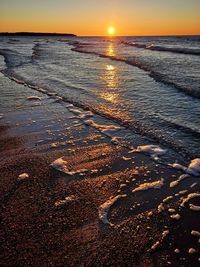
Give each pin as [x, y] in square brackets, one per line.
[111, 79]
[112, 89]
[110, 51]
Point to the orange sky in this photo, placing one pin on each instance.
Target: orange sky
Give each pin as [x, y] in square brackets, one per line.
[92, 17]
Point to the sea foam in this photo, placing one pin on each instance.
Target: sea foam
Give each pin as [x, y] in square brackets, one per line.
[61, 165]
[105, 207]
[154, 185]
[107, 129]
[153, 150]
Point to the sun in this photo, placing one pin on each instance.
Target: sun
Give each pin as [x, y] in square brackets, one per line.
[111, 30]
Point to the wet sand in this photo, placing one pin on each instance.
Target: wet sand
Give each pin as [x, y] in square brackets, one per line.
[52, 218]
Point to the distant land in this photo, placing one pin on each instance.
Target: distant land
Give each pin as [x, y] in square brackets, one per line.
[35, 34]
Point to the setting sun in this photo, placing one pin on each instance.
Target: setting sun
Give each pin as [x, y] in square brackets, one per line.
[111, 30]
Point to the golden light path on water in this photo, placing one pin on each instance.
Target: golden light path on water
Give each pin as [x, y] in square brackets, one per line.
[113, 89]
[111, 79]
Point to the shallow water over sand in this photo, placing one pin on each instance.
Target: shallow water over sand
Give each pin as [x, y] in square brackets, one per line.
[149, 96]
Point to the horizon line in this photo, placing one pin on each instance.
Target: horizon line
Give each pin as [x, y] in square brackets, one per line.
[75, 35]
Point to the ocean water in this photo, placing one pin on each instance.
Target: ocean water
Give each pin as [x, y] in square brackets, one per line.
[148, 86]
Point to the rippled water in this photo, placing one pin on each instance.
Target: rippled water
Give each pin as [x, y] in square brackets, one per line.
[150, 85]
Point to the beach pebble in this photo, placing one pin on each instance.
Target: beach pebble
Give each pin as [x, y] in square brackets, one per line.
[53, 145]
[165, 233]
[195, 233]
[193, 185]
[161, 207]
[94, 171]
[177, 251]
[167, 199]
[155, 246]
[171, 210]
[175, 216]
[192, 251]
[194, 207]
[150, 213]
[125, 158]
[23, 176]
[182, 192]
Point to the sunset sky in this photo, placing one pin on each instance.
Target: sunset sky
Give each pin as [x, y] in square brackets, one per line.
[92, 17]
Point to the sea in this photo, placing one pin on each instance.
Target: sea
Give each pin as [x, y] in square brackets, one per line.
[148, 87]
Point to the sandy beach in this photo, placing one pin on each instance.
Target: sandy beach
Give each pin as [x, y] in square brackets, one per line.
[73, 196]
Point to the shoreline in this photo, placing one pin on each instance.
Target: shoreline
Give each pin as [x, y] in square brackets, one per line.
[53, 218]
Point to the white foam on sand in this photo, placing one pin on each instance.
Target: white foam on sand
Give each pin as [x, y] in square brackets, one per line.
[61, 165]
[79, 113]
[107, 129]
[154, 185]
[105, 207]
[69, 106]
[153, 150]
[190, 196]
[75, 110]
[33, 97]
[182, 177]
[1, 115]
[23, 176]
[115, 140]
[86, 114]
[179, 167]
[192, 169]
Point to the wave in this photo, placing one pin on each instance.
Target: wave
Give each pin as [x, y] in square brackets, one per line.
[136, 127]
[179, 50]
[195, 133]
[11, 58]
[159, 77]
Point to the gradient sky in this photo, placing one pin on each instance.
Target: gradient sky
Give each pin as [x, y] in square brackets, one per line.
[92, 17]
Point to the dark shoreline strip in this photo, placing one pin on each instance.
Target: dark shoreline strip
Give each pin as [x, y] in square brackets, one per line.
[35, 34]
